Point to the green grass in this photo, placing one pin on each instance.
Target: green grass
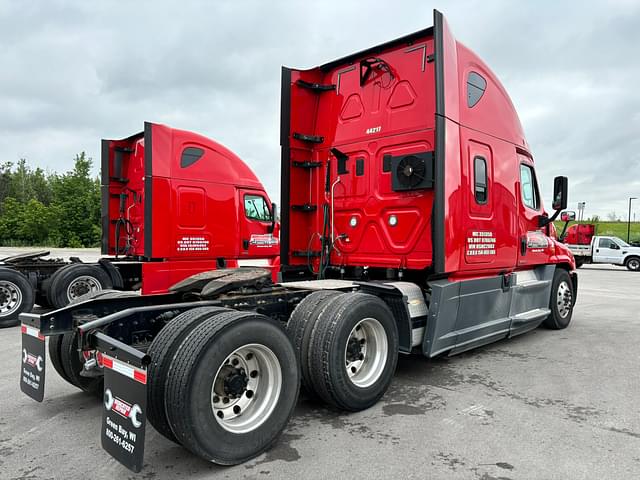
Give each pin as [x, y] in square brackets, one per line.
[613, 229]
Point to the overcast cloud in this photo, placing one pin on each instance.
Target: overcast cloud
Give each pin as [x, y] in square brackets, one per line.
[72, 73]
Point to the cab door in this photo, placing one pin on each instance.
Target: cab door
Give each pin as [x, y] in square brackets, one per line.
[533, 243]
[257, 226]
[607, 251]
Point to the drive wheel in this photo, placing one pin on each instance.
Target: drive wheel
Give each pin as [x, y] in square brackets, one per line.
[232, 387]
[301, 324]
[353, 351]
[561, 301]
[633, 264]
[74, 281]
[162, 350]
[72, 360]
[55, 355]
[16, 296]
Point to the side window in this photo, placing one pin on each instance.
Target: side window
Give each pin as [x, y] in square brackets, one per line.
[529, 187]
[606, 243]
[256, 208]
[476, 85]
[190, 155]
[480, 180]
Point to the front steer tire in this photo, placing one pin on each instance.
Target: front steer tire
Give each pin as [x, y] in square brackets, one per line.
[561, 301]
[198, 372]
[162, 350]
[356, 332]
[633, 264]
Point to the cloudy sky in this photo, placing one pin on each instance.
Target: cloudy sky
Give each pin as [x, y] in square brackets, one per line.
[72, 73]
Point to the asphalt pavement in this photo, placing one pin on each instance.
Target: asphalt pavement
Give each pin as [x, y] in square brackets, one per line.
[545, 405]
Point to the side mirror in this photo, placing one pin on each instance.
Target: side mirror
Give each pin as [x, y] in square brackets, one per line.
[560, 193]
[568, 216]
[274, 216]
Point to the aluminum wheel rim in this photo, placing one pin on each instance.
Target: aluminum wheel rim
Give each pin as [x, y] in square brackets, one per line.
[634, 264]
[82, 286]
[10, 298]
[564, 299]
[366, 352]
[242, 412]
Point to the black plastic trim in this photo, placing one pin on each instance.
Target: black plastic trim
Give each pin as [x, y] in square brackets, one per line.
[316, 87]
[148, 193]
[104, 197]
[437, 223]
[285, 164]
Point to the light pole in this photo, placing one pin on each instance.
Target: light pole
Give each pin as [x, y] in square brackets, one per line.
[629, 221]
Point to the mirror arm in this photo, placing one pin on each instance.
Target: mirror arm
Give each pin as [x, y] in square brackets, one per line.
[544, 221]
[564, 231]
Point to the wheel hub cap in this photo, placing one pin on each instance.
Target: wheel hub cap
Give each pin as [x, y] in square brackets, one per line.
[82, 286]
[564, 299]
[366, 352]
[246, 388]
[10, 298]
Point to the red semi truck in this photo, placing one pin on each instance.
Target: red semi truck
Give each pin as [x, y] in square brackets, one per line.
[412, 223]
[174, 203]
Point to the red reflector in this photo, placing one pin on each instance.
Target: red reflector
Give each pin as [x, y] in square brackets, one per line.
[24, 329]
[108, 362]
[140, 376]
[40, 336]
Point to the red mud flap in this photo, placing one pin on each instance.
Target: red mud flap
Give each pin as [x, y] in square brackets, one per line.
[32, 369]
[124, 415]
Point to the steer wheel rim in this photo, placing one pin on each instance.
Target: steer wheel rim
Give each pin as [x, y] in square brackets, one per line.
[366, 352]
[82, 286]
[246, 388]
[10, 298]
[564, 299]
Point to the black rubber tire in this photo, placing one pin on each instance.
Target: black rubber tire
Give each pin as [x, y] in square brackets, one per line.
[555, 321]
[162, 350]
[55, 355]
[56, 352]
[300, 326]
[73, 363]
[329, 378]
[61, 279]
[193, 370]
[632, 264]
[27, 293]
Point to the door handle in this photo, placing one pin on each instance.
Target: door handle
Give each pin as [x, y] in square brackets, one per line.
[245, 244]
[523, 245]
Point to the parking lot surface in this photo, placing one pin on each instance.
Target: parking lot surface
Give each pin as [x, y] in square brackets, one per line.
[545, 405]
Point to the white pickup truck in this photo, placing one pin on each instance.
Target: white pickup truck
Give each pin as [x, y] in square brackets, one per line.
[607, 250]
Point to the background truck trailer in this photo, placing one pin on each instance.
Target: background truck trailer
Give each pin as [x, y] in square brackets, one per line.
[411, 223]
[174, 203]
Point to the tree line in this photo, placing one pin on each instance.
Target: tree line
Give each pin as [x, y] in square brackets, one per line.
[44, 208]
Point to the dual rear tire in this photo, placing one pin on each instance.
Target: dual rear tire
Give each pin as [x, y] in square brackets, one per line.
[347, 346]
[223, 383]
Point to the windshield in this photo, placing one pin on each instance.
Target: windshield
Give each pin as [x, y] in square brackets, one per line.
[621, 242]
